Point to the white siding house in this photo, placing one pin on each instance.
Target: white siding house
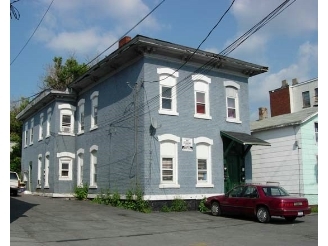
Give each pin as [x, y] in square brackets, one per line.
[291, 159]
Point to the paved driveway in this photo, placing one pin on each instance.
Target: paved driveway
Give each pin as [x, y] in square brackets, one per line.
[44, 221]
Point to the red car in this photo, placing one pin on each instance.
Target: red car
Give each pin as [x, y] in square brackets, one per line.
[261, 201]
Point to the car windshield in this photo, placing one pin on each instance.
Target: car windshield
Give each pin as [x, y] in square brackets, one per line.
[13, 176]
[275, 191]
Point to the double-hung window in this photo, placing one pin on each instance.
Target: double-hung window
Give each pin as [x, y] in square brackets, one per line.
[168, 91]
[48, 122]
[26, 135]
[201, 92]
[204, 161]
[94, 110]
[81, 116]
[32, 132]
[46, 170]
[41, 127]
[65, 165]
[93, 166]
[66, 119]
[232, 101]
[80, 155]
[316, 131]
[39, 171]
[169, 161]
[306, 99]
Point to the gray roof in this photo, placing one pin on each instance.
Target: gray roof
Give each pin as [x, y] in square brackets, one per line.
[296, 118]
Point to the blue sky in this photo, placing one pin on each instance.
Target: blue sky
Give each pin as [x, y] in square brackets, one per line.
[288, 44]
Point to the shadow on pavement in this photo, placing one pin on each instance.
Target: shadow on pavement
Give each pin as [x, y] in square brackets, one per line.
[18, 208]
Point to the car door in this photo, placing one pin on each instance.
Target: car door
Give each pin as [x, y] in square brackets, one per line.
[231, 204]
[249, 200]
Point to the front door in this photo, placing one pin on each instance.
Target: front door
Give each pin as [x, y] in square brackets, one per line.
[232, 173]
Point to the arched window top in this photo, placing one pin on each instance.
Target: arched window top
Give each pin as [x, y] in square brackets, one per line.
[93, 148]
[82, 101]
[94, 94]
[80, 151]
[48, 153]
[201, 77]
[40, 156]
[205, 140]
[66, 106]
[168, 71]
[231, 83]
[66, 154]
[169, 137]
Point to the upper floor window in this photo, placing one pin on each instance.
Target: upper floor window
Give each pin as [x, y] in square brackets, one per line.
[65, 165]
[26, 135]
[32, 132]
[316, 131]
[93, 166]
[201, 92]
[316, 97]
[306, 99]
[94, 110]
[204, 161]
[81, 116]
[169, 161]
[48, 123]
[41, 127]
[66, 118]
[232, 101]
[168, 91]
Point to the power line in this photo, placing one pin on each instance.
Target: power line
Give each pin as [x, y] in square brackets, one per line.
[33, 32]
[14, 11]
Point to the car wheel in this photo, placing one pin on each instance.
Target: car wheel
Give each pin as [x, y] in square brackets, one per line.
[290, 219]
[215, 209]
[263, 215]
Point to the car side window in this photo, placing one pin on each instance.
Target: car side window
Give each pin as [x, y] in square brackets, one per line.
[251, 192]
[236, 192]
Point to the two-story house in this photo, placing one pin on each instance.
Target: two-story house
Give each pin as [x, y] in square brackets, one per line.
[171, 120]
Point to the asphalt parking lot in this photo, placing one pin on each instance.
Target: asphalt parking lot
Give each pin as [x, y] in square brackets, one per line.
[45, 221]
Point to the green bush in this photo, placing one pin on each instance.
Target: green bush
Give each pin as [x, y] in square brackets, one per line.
[202, 207]
[81, 193]
[178, 205]
[165, 208]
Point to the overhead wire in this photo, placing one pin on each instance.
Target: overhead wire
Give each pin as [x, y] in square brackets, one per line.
[32, 33]
[14, 11]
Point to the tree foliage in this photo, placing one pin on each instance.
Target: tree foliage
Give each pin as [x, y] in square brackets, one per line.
[60, 75]
[16, 128]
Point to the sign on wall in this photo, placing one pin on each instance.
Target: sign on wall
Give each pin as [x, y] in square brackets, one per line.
[187, 144]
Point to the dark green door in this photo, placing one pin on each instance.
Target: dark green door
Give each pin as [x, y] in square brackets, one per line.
[233, 174]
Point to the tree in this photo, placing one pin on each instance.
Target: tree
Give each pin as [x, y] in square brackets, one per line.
[16, 128]
[60, 75]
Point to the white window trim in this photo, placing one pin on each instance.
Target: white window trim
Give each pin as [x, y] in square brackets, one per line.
[65, 157]
[94, 102]
[81, 104]
[174, 140]
[41, 127]
[209, 142]
[39, 175]
[66, 109]
[237, 87]
[31, 135]
[164, 75]
[80, 163]
[26, 135]
[48, 123]
[201, 84]
[92, 184]
[46, 170]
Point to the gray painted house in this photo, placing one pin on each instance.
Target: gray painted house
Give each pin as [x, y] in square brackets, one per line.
[168, 119]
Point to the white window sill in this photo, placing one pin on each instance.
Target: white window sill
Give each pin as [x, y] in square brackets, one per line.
[66, 134]
[40, 139]
[203, 116]
[31, 144]
[163, 186]
[93, 187]
[48, 136]
[80, 133]
[200, 185]
[93, 128]
[38, 187]
[64, 178]
[233, 120]
[167, 112]
[46, 187]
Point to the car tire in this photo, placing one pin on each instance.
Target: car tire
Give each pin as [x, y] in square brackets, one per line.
[290, 218]
[215, 209]
[263, 215]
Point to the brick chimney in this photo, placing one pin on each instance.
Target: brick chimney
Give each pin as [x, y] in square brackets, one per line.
[263, 113]
[123, 41]
[284, 83]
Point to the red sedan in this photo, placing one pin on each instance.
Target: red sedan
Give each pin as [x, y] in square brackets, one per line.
[261, 201]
